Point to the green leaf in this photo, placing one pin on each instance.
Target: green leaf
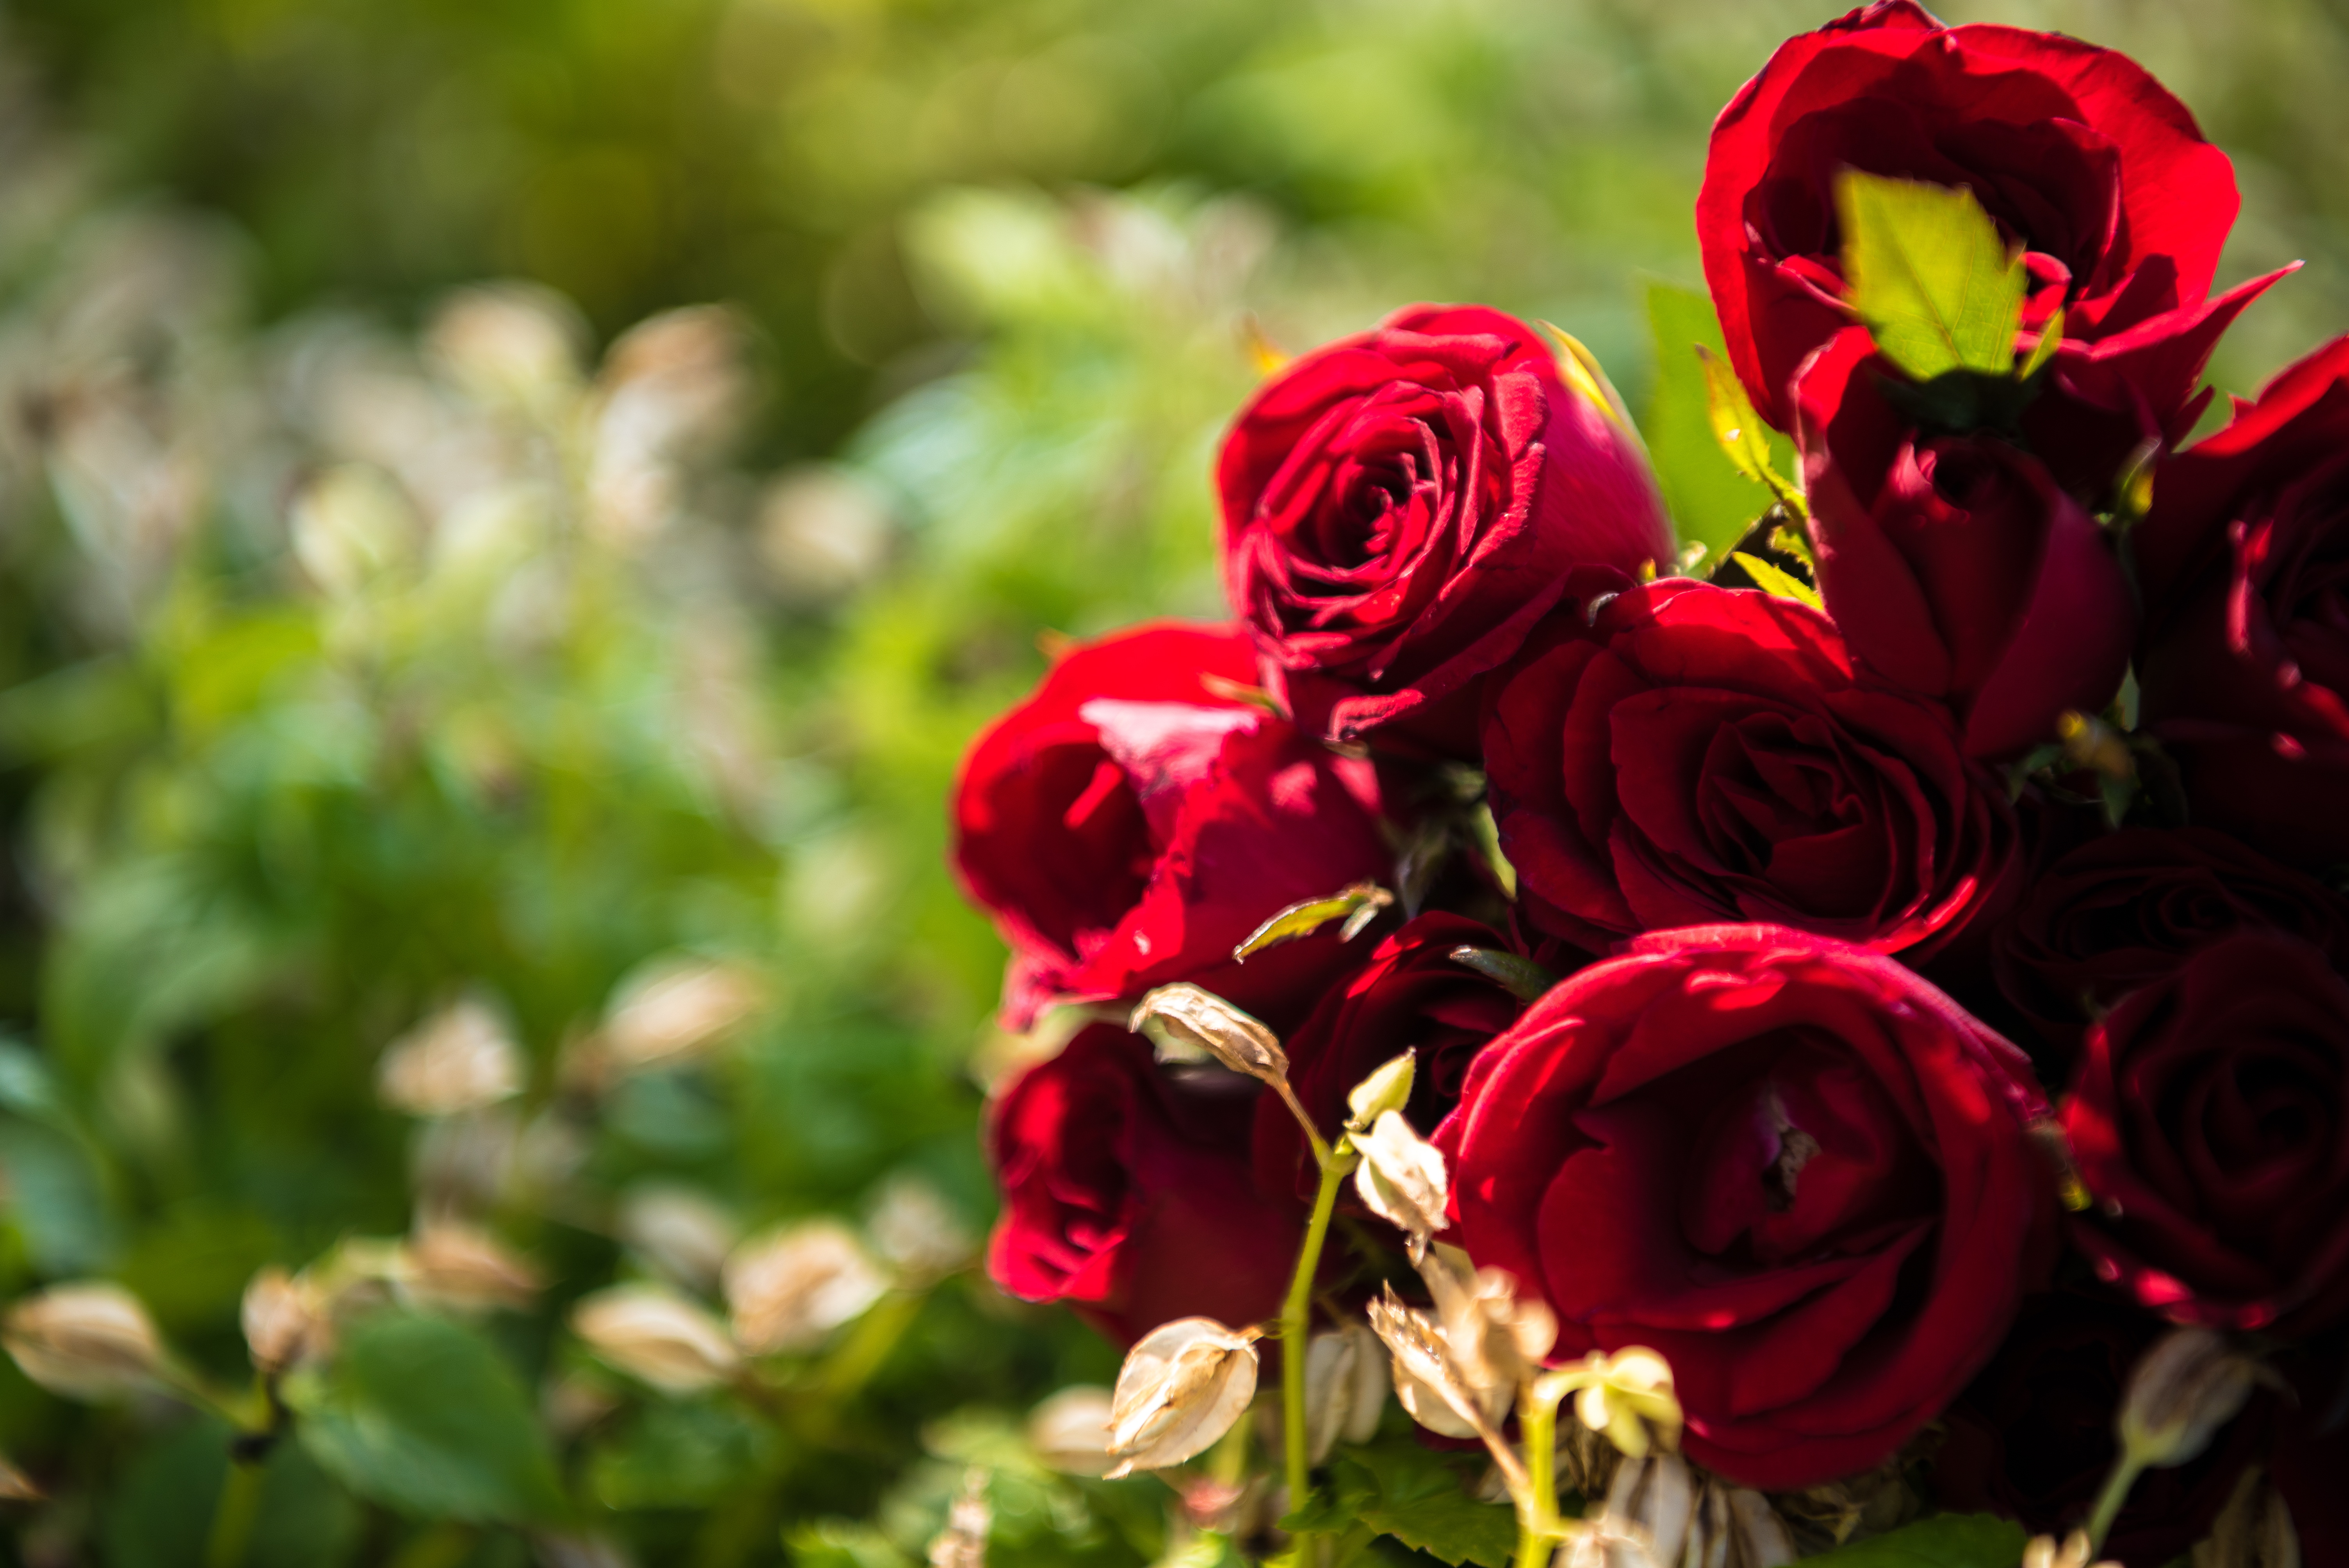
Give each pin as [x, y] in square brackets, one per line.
[1357, 905]
[1739, 430]
[1419, 1496]
[1771, 579]
[1522, 978]
[677, 1454]
[420, 1414]
[1928, 274]
[1712, 501]
[2050, 339]
[1944, 1540]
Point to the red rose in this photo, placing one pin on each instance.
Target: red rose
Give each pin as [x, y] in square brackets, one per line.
[1410, 996]
[2122, 910]
[2078, 155]
[2031, 1438]
[1955, 565]
[1789, 1165]
[1690, 754]
[1128, 824]
[2244, 560]
[2206, 1118]
[1128, 1196]
[1400, 508]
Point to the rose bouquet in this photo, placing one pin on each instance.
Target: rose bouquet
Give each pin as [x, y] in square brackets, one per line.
[1864, 1017]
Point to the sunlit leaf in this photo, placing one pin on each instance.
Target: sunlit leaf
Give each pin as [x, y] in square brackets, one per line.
[1770, 579]
[1357, 905]
[1926, 269]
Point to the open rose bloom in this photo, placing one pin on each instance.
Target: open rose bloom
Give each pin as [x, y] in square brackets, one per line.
[1782, 1057]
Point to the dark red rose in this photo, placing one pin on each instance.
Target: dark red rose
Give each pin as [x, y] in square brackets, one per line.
[1128, 1195]
[2244, 560]
[2079, 156]
[1955, 565]
[2122, 910]
[1409, 996]
[2208, 1117]
[1400, 508]
[2032, 1437]
[1129, 824]
[1690, 754]
[2311, 1454]
[1788, 1164]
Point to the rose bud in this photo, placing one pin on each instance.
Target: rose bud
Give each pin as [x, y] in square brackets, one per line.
[89, 1340]
[2205, 1118]
[1410, 996]
[657, 1336]
[461, 1058]
[1790, 1166]
[1953, 565]
[2083, 161]
[1127, 1193]
[1693, 754]
[2244, 664]
[1132, 821]
[2122, 910]
[1070, 1431]
[789, 1289]
[1400, 508]
[1346, 1387]
[1182, 1386]
[2031, 1438]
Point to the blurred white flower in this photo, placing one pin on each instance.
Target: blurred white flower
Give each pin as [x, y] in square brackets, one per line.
[657, 1336]
[449, 1263]
[822, 532]
[351, 525]
[284, 1319]
[789, 1288]
[509, 344]
[916, 1233]
[461, 1058]
[87, 1340]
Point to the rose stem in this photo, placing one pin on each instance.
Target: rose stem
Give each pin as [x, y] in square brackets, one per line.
[2126, 1469]
[1294, 1315]
[1537, 1523]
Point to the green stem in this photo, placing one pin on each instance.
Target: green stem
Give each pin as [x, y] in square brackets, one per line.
[2126, 1469]
[1539, 1529]
[1294, 1316]
[233, 1515]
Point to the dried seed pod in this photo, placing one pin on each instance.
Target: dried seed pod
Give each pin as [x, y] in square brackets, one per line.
[284, 1319]
[1401, 1176]
[963, 1543]
[1190, 1020]
[461, 1058]
[1181, 1388]
[2189, 1384]
[89, 1340]
[1428, 1380]
[1345, 1388]
[453, 1265]
[788, 1289]
[657, 1336]
[1070, 1431]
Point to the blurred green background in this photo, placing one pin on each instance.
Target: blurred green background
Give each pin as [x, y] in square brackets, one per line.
[374, 641]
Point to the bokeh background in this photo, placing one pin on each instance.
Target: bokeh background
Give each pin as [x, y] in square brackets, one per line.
[505, 504]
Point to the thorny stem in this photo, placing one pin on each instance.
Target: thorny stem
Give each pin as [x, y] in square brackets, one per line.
[2126, 1469]
[1294, 1315]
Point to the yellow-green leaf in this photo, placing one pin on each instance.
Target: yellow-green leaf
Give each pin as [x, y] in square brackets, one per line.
[1357, 905]
[1741, 432]
[1927, 273]
[1771, 579]
[2050, 339]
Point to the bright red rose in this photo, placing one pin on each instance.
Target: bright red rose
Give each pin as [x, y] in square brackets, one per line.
[1128, 1195]
[2080, 157]
[1129, 824]
[1955, 565]
[1400, 508]
[2244, 560]
[1409, 996]
[2123, 911]
[1688, 754]
[2031, 1438]
[1790, 1165]
[2210, 1118]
